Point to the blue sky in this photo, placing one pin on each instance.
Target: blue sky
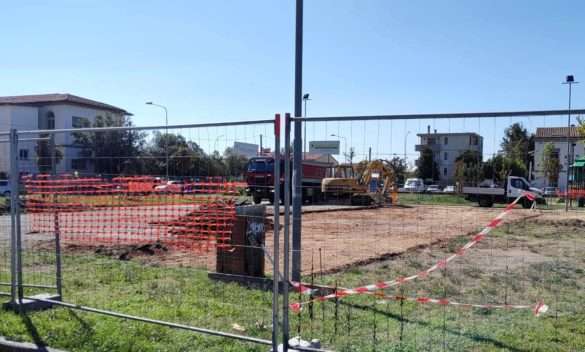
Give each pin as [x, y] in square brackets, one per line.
[233, 60]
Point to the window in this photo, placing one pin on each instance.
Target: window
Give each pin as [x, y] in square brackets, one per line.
[446, 140]
[78, 164]
[50, 120]
[473, 140]
[23, 154]
[445, 171]
[518, 183]
[79, 122]
[445, 156]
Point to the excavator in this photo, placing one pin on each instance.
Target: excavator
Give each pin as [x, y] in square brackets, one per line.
[373, 185]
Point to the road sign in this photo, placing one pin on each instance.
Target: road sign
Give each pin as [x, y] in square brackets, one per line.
[246, 149]
[324, 147]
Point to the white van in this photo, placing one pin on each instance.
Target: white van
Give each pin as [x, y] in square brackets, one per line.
[414, 185]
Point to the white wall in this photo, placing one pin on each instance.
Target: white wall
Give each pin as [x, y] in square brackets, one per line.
[540, 180]
[21, 118]
[64, 114]
[456, 145]
[32, 118]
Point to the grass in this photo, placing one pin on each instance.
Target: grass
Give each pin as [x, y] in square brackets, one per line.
[432, 199]
[521, 263]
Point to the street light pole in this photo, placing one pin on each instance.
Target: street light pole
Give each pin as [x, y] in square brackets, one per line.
[570, 81]
[166, 134]
[305, 99]
[344, 144]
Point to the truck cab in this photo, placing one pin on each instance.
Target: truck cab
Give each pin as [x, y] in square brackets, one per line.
[489, 193]
[260, 178]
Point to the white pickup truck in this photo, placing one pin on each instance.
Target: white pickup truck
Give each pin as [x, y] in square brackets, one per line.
[487, 195]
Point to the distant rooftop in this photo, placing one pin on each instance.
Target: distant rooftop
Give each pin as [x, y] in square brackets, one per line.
[448, 134]
[557, 132]
[57, 98]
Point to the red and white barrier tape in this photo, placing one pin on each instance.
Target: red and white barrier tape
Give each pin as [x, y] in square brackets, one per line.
[441, 264]
[537, 309]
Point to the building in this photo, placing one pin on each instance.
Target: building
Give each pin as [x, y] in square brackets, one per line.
[446, 147]
[558, 137]
[50, 111]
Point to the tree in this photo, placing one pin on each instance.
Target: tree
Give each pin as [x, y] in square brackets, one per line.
[426, 166]
[581, 127]
[350, 155]
[551, 164]
[499, 167]
[468, 167]
[181, 156]
[399, 167]
[235, 164]
[517, 143]
[114, 152]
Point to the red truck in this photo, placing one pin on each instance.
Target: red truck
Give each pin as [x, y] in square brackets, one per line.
[260, 178]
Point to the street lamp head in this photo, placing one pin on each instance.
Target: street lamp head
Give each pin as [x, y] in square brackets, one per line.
[306, 96]
[570, 79]
[148, 103]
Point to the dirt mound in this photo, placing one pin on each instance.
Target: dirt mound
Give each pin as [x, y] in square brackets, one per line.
[560, 222]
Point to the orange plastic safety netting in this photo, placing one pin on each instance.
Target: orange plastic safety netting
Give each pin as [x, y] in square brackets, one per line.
[196, 215]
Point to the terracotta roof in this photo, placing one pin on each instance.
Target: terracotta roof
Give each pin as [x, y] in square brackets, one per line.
[556, 132]
[57, 98]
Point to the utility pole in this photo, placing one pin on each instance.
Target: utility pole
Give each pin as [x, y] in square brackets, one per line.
[298, 145]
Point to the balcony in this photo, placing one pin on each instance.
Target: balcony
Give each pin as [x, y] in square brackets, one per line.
[433, 147]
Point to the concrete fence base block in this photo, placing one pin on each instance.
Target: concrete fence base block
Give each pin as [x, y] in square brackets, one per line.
[29, 305]
[10, 346]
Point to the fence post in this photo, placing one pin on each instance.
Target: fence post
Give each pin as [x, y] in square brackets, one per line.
[297, 199]
[56, 227]
[13, 224]
[276, 223]
[286, 203]
[16, 247]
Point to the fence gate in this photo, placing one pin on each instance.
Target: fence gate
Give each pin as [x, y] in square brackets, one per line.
[146, 224]
[391, 258]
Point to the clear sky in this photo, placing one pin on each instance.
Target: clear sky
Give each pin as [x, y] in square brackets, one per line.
[233, 60]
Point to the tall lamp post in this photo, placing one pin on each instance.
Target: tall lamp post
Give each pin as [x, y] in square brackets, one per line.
[570, 80]
[166, 134]
[344, 145]
[305, 100]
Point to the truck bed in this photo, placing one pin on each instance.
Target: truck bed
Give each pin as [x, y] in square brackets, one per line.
[484, 190]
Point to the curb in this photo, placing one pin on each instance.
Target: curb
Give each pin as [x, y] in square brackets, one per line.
[11, 346]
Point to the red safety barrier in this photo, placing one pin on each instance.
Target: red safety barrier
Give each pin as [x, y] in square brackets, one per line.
[132, 210]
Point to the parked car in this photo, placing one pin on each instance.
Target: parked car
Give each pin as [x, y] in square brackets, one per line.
[414, 185]
[449, 189]
[434, 189]
[5, 188]
[551, 191]
[170, 187]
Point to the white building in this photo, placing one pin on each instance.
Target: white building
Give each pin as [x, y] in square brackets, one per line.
[50, 111]
[558, 137]
[446, 148]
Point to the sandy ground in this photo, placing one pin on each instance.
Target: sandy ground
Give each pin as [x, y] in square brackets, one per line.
[331, 240]
[335, 240]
